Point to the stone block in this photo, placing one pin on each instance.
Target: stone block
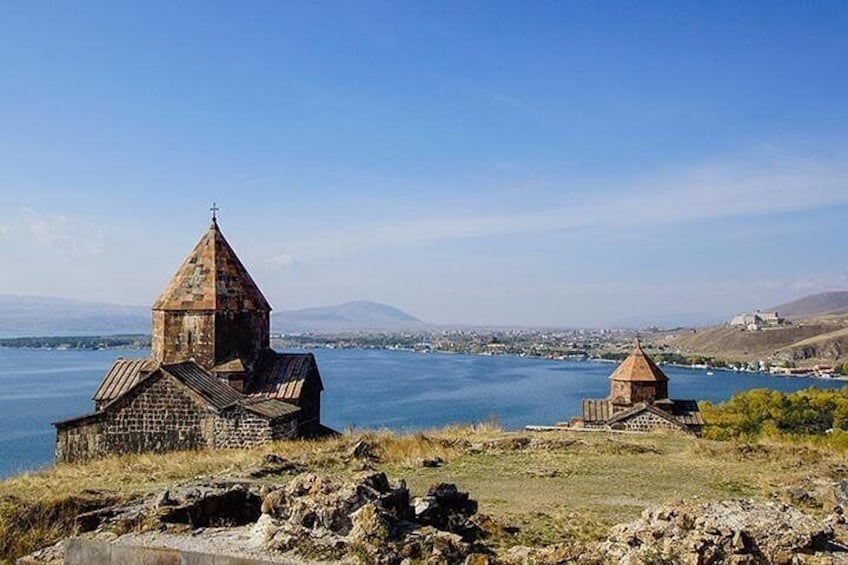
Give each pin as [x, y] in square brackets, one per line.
[85, 552]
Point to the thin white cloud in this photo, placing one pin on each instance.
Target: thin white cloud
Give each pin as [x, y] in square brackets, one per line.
[283, 260]
[61, 234]
[708, 192]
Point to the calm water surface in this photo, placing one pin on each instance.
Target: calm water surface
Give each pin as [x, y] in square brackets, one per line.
[364, 388]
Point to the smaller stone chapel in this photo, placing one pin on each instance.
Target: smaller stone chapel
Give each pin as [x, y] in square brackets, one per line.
[639, 402]
[212, 380]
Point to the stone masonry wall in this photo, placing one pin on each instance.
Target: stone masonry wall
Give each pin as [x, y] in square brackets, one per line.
[241, 334]
[285, 428]
[161, 417]
[238, 428]
[180, 336]
[165, 416]
[310, 407]
[80, 442]
[645, 422]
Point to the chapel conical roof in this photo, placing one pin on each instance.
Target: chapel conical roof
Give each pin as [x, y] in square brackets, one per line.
[212, 278]
[638, 367]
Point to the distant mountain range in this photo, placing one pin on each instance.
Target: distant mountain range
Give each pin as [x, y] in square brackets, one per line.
[43, 316]
[351, 316]
[834, 302]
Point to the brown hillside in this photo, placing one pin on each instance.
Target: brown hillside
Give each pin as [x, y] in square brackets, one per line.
[815, 304]
[823, 340]
[829, 347]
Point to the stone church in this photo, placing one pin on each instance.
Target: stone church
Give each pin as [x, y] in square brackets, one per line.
[638, 400]
[212, 380]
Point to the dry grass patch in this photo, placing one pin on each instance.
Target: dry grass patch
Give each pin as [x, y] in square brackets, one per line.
[541, 488]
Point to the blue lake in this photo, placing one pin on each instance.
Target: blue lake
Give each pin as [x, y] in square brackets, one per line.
[364, 388]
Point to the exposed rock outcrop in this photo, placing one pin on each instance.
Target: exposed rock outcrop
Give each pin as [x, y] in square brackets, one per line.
[321, 516]
[369, 519]
[731, 531]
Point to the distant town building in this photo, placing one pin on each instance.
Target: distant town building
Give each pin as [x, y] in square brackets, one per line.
[212, 380]
[758, 320]
[638, 400]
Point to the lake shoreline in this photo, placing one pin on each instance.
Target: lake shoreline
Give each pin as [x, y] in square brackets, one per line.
[364, 389]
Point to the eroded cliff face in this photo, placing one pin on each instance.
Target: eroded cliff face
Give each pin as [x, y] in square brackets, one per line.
[830, 348]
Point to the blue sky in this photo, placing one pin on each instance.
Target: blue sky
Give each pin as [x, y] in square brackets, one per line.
[568, 163]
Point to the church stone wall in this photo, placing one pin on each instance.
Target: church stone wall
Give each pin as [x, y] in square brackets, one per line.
[238, 427]
[165, 416]
[241, 334]
[310, 407]
[161, 417]
[180, 336]
[645, 422]
[209, 337]
[635, 392]
[79, 442]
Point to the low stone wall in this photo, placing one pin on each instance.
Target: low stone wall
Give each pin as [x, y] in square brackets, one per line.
[88, 552]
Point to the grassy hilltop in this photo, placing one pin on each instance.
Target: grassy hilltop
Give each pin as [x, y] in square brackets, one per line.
[544, 488]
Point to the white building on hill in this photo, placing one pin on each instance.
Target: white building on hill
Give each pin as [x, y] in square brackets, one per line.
[757, 321]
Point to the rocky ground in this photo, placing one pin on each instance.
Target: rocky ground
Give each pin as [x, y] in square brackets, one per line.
[285, 512]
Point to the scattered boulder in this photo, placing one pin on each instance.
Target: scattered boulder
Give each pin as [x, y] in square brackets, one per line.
[447, 508]
[432, 546]
[507, 444]
[213, 505]
[164, 499]
[52, 555]
[432, 462]
[555, 443]
[840, 493]
[370, 517]
[363, 450]
[325, 505]
[479, 559]
[551, 555]
[731, 531]
[273, 464]
[487, 526]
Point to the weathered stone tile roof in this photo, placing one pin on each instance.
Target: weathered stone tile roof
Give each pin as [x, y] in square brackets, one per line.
[638, 367]
[210, 388]
[282, 375]
[269, 408]
[122, 376]
[232, 366]
[687, 412]
[596, 410]
[684, 412]
[212, 278]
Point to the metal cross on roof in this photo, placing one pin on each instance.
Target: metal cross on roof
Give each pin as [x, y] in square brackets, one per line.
[214, 209]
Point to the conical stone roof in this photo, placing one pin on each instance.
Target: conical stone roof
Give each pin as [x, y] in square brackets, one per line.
[638, 367]
[212, 278]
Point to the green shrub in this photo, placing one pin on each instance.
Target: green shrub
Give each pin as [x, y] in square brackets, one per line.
[764, 412]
